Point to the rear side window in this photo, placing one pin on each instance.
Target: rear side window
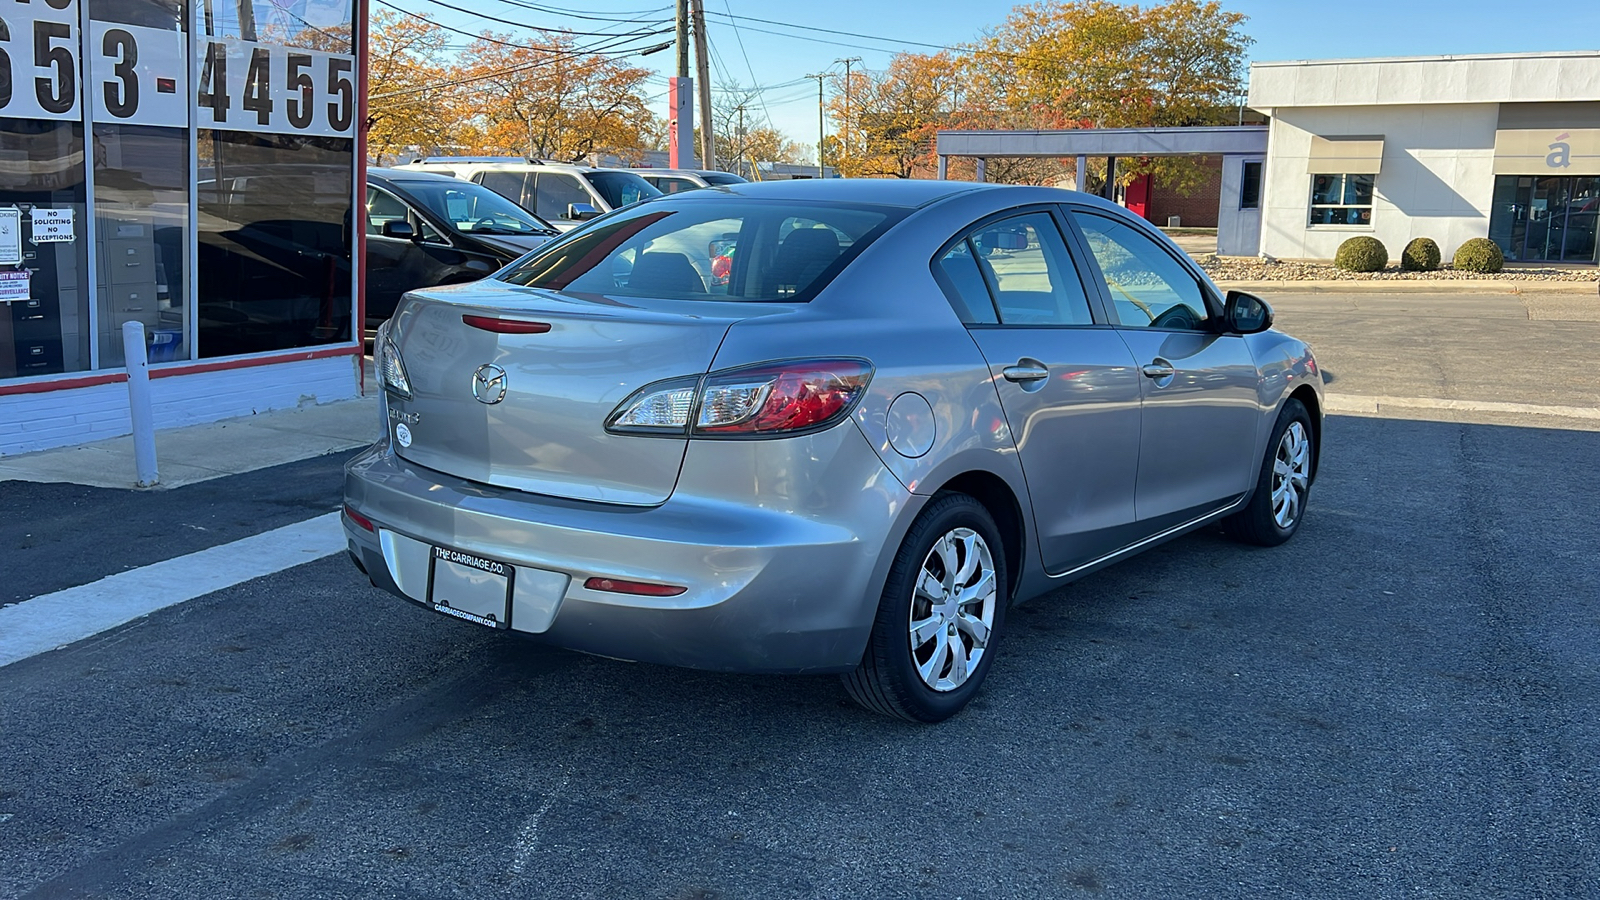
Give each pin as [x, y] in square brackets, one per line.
[965, 286]
[1023, 267]
[733, 249]
[510, 185]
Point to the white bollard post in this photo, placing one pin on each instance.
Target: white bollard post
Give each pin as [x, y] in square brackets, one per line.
[144, 428]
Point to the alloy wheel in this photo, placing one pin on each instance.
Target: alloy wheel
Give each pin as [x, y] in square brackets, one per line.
[1291, 475]
[952, 609]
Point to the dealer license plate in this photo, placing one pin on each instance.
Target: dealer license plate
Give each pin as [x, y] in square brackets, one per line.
[470, 587]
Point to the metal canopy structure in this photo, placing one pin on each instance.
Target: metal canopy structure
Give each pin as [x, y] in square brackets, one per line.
[1207, 141]
[1243, 149]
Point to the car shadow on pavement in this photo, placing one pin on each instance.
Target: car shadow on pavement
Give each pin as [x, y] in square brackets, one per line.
[1317, 718]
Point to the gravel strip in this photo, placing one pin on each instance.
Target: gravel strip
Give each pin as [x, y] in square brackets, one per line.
[1244, 268]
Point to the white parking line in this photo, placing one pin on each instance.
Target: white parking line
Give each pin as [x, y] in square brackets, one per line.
[1361, 403]
[54, 620]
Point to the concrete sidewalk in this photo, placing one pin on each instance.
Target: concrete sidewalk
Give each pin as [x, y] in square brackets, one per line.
[200, 452]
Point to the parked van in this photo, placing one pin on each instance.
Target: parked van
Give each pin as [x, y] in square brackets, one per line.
[563, 195]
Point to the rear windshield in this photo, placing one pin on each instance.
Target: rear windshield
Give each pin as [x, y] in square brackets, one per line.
[622, 188]
[715, 249]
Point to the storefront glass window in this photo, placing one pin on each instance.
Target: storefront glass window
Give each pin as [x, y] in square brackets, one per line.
[141, 195]
[320, 24]
[1543, 219]
[44, 294]
[274, 234]
[137, 84]
[1342, 199]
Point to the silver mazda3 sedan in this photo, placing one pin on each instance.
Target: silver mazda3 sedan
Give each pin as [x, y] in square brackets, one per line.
[822, 427]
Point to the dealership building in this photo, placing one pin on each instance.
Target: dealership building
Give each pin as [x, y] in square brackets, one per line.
[193, 166]
[1503, 146]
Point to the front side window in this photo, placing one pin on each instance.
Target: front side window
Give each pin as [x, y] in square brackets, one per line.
[1342, 199]
[715, 250]
[1147, 287]
[622, 188]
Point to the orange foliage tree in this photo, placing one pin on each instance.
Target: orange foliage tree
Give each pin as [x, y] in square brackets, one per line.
[550, 100]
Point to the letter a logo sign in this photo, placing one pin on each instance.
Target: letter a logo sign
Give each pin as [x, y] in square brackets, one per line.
[1560, 152]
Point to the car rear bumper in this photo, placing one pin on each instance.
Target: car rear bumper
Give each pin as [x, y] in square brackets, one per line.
[778, 545]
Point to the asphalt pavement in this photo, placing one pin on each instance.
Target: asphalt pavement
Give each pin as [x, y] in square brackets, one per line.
[1402, 702]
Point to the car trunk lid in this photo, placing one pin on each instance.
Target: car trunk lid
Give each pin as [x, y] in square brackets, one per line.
[546, 434]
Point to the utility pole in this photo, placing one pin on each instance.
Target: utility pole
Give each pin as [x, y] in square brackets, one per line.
[680, 117]
[702, 65]
[844, 133]
[739, 133]
[821, 132]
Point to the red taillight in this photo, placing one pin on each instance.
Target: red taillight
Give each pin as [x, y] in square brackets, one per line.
[639, 588]
[358, 518]
[782, 397]
[506, 326]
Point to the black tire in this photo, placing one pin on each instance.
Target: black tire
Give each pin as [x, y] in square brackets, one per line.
[887, 680]
[1257, 523]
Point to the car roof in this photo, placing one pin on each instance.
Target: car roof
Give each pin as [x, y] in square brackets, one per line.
[909, 193]
[404, 176]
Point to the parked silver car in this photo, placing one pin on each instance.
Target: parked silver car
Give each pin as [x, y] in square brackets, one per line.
[822, 426]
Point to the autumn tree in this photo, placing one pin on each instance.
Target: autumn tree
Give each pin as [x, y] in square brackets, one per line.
[886, 122]
[1098, 64]
[550, 100]
[410, 104]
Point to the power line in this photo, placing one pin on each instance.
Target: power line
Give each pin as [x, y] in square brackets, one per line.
[511, 22]
[599, 48]
[749, 68]
[867, 37]
[617, 16]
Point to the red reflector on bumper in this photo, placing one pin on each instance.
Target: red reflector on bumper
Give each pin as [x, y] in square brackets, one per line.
[358, 518]
[640, 588]
[506, 326]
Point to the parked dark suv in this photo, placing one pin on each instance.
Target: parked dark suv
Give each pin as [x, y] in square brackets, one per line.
[425, 229]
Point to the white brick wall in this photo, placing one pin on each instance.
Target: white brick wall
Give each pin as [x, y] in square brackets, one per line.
[79, 415]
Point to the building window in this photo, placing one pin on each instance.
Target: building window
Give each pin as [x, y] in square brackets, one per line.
[1342, 199]
[1250, 186]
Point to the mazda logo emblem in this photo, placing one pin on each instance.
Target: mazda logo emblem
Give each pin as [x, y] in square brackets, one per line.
[489, 383]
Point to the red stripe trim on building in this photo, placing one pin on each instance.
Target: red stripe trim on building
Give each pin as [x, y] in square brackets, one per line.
[249, 362]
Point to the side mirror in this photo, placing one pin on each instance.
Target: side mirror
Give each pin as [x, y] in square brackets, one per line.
[1247, 313]
[581, 212]
[399, 228]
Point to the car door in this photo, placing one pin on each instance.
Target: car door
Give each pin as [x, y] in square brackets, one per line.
[1197, 451]
[1067, 383]
[387, 257]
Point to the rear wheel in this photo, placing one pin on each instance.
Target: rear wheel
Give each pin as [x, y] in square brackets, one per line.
[1283, 485]
[943, 606]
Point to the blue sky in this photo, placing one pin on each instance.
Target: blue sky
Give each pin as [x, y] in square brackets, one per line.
[1283, 29]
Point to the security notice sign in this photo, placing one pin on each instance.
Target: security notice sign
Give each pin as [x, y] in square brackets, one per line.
[52, 226]
[10, 236]
[14, 286]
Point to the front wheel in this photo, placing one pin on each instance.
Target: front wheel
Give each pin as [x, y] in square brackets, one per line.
[943, 606]
[1284, 483]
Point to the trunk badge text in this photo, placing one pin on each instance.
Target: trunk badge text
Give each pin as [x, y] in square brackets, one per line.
[489, 383]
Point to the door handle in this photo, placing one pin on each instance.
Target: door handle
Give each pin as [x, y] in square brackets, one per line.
[1024, 373]
[1159, 370]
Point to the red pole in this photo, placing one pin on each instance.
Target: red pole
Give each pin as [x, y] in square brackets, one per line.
[358, 216]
